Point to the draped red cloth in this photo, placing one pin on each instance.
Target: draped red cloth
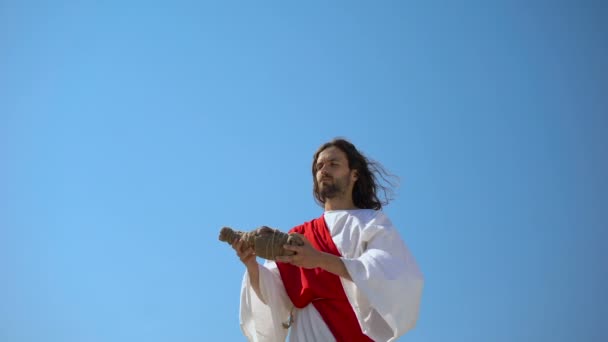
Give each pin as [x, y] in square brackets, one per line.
[321, 288]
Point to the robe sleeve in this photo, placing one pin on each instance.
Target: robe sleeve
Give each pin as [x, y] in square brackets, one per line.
[261, 318]
[386, 286]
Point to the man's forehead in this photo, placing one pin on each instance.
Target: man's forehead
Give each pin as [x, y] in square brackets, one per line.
[331, 153]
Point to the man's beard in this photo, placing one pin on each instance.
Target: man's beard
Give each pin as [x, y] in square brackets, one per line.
[333, 189]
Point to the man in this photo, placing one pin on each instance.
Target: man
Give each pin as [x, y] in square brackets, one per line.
[353, 280]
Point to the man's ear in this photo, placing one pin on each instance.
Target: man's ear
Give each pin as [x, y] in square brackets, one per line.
[354, 176]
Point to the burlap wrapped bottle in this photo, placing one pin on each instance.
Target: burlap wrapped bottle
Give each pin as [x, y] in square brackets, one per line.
[265, 241]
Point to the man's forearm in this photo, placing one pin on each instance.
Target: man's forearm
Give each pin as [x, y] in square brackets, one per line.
[335, 265]
[254, 279]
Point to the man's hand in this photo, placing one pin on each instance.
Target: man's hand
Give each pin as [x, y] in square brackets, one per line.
[247, 255]
[306, 256]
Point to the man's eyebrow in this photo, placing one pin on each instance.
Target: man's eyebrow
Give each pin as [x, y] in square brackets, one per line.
[332, 159]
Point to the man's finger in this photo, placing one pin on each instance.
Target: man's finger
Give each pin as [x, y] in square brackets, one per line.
[235, 243]
[246, 254]
[302, 237]
[292, 248]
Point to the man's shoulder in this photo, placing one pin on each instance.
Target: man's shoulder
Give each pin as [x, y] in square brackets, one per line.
[367, 215]
[302, 227]
[361, 217]
[373, 220]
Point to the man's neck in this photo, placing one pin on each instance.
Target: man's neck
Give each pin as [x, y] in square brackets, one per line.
[339, 204]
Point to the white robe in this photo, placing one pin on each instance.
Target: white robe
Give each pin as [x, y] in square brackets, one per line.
[385, 290]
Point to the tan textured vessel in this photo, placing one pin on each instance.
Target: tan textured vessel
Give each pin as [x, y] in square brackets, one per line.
[265, 241]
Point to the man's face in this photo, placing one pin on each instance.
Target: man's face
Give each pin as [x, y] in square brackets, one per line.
[333, 174]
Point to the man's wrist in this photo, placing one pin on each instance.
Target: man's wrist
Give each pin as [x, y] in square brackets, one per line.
[325, 261]
[334, 264]
[252, 266]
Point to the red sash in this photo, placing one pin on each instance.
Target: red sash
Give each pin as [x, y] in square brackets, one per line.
[321, 288]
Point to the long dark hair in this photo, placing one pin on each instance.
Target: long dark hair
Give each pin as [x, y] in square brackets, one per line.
[367, 187]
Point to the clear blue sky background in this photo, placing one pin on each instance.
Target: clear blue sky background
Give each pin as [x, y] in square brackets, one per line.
[131, 132]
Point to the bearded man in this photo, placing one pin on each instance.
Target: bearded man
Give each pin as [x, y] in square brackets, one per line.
[354, 278]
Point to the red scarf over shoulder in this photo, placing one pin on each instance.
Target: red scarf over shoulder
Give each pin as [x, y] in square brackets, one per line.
[321, 288]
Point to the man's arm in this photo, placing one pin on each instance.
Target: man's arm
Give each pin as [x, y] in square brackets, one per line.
[308, 257]
[335, 265]
[247, 257]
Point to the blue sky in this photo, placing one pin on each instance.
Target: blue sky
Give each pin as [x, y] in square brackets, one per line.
[131, 132]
